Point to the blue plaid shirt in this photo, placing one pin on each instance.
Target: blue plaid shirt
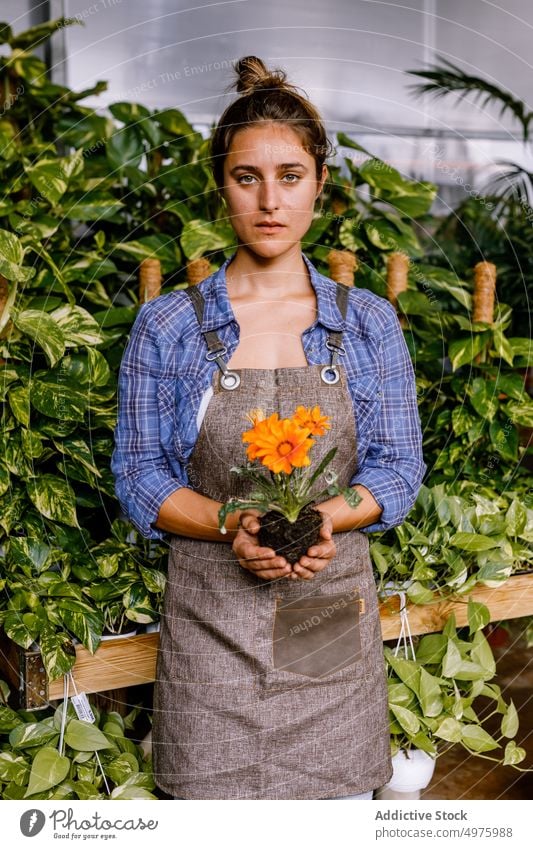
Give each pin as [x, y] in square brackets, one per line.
[164, 375]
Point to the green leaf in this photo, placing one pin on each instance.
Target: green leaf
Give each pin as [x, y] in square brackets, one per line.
[513, 754]
[484, 398]
[431, 649]
[48, 177]
[85, 737]
[129, 791]
[419, 594]
[509, 726]
[42, 328]
[4, 478]
[347, 236]
[481, 654]
[203, 237]
[153, 579]
[174, 122]
[477, 739]
[83, 621]
[13, 768]
[504, 439]
[385, 236]
[100, 372]
[516, 518]
[78, 326]
[119, 769]
[12, 290]
[29, 554]
[58, 653]
[80, 451]
[473, 542]
[407, 671]
[452, 660]
[492, 574]
[414, 303]
[9, 719]
[19, 401]
[29, 39]
[128, 113]
[32, 734]
[58, 400]
[478, 615]
[11, 257]
[48, 769]
[407, 719]
[522, 347]
[521, 414]
[449, 729]
[91, 208]
[464, 349]
[6, 33]
[430, 694]
[502, 346]
[156, 246]
[23, 629]
[462, 420]
[54, 498]
[125, 147]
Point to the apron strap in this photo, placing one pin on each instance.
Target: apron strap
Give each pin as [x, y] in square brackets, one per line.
[216, 350]
[330, 374]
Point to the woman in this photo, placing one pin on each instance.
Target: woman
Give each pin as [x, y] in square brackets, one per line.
[270, 676]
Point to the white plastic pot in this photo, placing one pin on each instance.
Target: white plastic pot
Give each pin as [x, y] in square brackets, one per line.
[412, 772]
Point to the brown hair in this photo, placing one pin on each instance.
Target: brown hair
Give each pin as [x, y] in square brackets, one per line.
[266, 96]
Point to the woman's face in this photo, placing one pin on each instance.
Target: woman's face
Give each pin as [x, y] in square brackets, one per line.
[269, 177]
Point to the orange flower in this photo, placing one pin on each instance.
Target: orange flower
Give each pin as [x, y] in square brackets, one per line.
[312, 420]
[280, 444]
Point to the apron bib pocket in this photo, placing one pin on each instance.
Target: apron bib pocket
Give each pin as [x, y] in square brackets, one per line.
[316, 638]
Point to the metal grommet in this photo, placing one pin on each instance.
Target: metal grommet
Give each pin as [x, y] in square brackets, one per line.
[230, 380]
[330, 375]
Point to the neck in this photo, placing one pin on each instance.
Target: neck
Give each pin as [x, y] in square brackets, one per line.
[249, 273]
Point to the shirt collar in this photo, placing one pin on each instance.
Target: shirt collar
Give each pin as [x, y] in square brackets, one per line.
[218, 312]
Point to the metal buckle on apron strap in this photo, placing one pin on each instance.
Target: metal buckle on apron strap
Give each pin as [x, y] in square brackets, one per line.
[330, 374]
[229, 379]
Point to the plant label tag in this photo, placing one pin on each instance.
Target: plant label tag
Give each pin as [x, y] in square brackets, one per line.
[82, 707]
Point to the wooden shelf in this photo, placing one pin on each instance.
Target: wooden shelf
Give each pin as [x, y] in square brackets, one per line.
[514, 598]
[132, 660]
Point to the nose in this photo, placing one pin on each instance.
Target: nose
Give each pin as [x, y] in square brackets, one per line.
[268, 195]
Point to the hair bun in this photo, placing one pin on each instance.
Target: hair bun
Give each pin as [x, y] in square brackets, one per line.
[253, 74]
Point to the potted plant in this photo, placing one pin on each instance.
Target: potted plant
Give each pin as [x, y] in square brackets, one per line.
[432, 702]
[285, 496]
[43, 758]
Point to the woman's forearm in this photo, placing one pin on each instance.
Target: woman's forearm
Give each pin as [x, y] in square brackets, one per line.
[190, 514]
[346, 518]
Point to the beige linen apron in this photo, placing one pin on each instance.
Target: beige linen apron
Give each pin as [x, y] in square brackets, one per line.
[269, 689]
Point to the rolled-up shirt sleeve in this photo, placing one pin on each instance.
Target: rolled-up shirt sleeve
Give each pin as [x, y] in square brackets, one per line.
[393, 467]
[143, 475]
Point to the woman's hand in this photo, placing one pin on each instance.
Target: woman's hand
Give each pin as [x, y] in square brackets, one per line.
[319, 555]
[262, 562]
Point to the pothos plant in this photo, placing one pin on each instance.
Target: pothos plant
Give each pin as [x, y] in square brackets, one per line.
[97, 760]
[457, 535]
[433, 697]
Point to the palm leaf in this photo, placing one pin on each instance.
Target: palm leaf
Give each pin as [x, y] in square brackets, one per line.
[445, 77]
[515, 183]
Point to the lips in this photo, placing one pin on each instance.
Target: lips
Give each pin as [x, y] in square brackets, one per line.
[270, 227]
